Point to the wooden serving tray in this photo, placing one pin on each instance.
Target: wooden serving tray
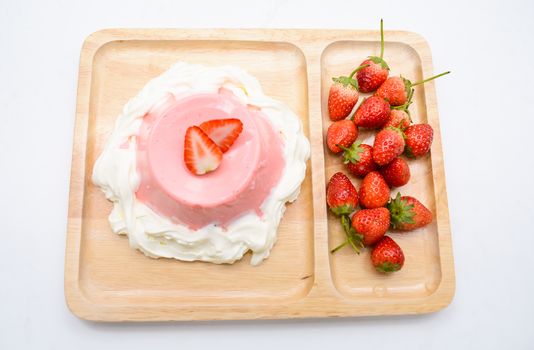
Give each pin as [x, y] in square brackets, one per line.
[106, 280]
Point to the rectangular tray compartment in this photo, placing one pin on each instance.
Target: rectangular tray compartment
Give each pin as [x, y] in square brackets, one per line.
[353, 275]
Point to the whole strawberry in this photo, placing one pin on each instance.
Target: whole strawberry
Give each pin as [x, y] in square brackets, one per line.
[399, 118]
[341, 134]
[359, 159]
[341, 195]
[374, 191]
[418, 139]
[343, 96]
[396, 173]
[373, 113]
[372, 224]
[387, 256]
[407, 213]
[396, 90]
[371, 77]
[388, 145]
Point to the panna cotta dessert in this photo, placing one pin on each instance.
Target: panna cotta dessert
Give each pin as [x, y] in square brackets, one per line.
[201, 164]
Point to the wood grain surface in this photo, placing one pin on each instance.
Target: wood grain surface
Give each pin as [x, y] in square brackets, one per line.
[106, 280]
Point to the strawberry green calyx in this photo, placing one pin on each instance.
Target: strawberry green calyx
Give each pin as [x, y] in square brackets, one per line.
[388, 267]
[354, 239]
[351, 154]
[344, 209]
[400, 212]
[407, 87]
[346, 81]
[380, 60]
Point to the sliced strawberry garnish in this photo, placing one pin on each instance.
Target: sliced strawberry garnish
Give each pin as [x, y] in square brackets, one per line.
[201, 154]
[223, 131]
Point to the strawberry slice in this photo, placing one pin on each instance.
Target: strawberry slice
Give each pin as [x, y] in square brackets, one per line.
[223, 131]
[201, 154]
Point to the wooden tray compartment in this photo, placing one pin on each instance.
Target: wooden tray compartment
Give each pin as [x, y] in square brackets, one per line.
[105, 280]
[353, 275]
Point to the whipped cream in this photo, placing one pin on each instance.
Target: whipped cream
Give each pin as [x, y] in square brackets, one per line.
[156, 236]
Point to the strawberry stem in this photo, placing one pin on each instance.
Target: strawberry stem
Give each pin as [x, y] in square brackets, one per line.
[353, 238]
[349, 80]
[357, 70]
[356, 249]
[381, 38]
[339, 246]
[404, 107]
[429, 79]
[342, 147]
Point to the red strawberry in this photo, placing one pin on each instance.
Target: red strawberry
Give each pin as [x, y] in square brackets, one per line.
[341, 195]
[396, 173]
[371, 77]
[201, 154]
[374, 191]
[223, 132]
[343, 96]
[407, 213]
[372, 113]
[418, 139]
[396, 90]
[359, 159]
[387, 256]
[389, 144]
[372, 224]
[341, 134]
[399, 118]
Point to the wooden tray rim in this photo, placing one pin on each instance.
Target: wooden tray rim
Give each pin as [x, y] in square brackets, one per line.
[323, 299]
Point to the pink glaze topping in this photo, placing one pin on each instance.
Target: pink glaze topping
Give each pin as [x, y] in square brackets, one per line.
[250, 169]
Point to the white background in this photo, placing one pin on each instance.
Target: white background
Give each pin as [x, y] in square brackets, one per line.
[487, 120]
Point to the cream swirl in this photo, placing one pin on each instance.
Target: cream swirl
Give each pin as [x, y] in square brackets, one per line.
[155, 235]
